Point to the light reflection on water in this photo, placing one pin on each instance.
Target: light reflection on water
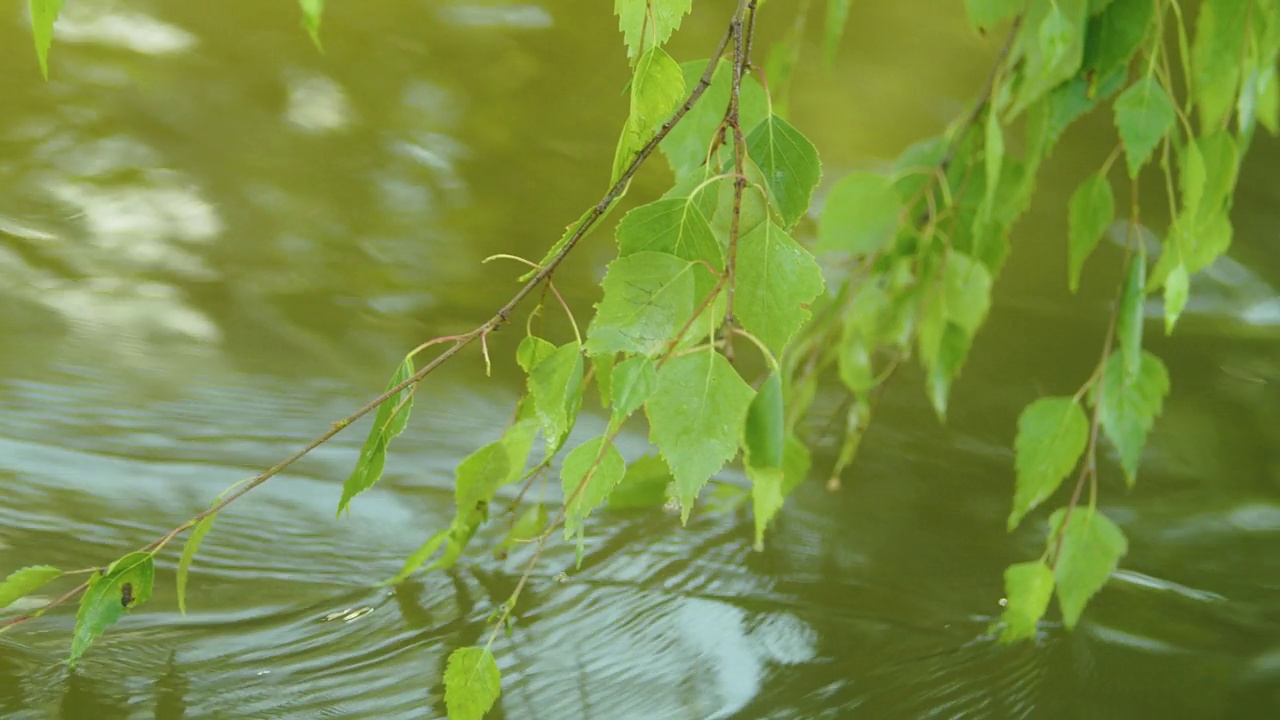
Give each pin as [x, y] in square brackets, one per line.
[214, 240]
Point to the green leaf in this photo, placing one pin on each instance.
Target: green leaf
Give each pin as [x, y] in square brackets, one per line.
[942, 351]
[1090, 212]
[126, 584]
[945, 366]
[657, 89]
[766, 498]
[1176, 287]
[390, 421]
[837, 17]
[701, 190]
[556, 387]
[21, 583]
[531, 351]
[860, 215]
[931, 323]
[644, 485]
[796, 462]
[1129, 404]
[648, 297]
[1221, 31]
[603, 366]
[1111, 40]
[688, 143]
[993, 159]
[1144, 115]
[854, 361]
[789, 163]
[985, 13]
[776, 280]
[1028, 587]
[1056, 33]
[648, 23]
[1050, 118]
[870, 311]
[1192, 176]
[966, 291]
[1194, 242]
[856, 421]
[764, 433]
[418, 558]
[1052, 435]
[479, 476]
[675, 226]
[1053, 47]
[1129, 321]
[1222, 166]
[1115, 34]
[311, 12]
[472, 683]
[43, 14]
[695, 419]
[1091, 548]
[531, 523]
[456, 539]
[1209, 171]
[634, 381]
[602, 466]
[189, 550]
[477, 480]
[518, 440]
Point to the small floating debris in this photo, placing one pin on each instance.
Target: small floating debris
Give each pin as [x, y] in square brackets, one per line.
[347, 615]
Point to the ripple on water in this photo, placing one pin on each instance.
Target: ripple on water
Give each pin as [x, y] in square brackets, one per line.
[842, 615]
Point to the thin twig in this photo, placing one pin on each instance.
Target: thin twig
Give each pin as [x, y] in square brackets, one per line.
[1089, 466]
[984, 95]
[741, 57]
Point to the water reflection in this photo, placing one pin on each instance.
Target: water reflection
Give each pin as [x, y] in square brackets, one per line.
[171, 690]
[524, 17]
[106, 24]
[317, 104]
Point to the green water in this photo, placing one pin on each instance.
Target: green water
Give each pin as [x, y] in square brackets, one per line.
[214, 241]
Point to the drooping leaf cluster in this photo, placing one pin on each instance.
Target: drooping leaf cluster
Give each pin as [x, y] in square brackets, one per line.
[1193, 147]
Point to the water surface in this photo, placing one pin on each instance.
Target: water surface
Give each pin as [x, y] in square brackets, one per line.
[215, 240]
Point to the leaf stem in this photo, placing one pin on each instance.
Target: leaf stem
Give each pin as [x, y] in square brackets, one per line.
[508, 256]
[572, 321]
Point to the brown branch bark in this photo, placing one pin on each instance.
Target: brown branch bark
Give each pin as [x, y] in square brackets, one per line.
[742, 28]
